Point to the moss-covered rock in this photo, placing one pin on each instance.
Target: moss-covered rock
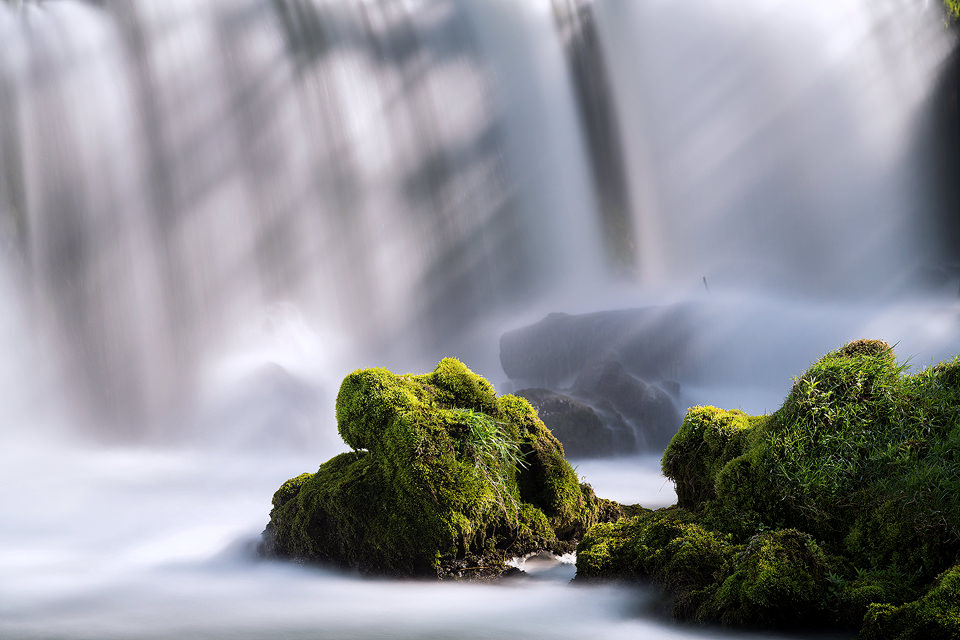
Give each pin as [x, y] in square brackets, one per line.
[664, 545]
[445, 478]
[869, 588]
[934, 616]
[840, 509]
[707, 440]
[779, 579]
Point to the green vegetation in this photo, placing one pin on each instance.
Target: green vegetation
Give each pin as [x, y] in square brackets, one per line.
[953, 8]
[493, 453]
[840, 509]
[934, 616]
[446, 479]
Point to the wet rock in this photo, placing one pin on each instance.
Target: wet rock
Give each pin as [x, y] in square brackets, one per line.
[650, 343]
[579, 427]
[621, 365]
[650, 411]
[445, 479]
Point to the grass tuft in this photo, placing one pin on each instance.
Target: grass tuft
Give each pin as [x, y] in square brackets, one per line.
[496, 455]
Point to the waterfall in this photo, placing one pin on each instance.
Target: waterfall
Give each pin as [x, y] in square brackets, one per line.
[398, 177]
[213, 210]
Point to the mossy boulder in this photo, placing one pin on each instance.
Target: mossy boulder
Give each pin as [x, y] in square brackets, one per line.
[707, 440]
[665, 545]
[841, 509]
[445, 478]
[779, 579]
[775, 578]
[934, 616]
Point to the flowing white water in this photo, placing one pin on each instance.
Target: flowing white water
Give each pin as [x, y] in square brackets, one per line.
[211, 211]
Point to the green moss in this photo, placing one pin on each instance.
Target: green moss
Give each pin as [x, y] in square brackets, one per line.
[934, 616]
[845, 502]
[289, 489]
[619, 549]
[865, 348]
[456, 385]
[823, 438]
[707, 439]
[548, 481]
[535, 529]
[602, 552]
[692, 566]
[870, 587]
[953, 8]
[747, 503]
[443, 471]
[945, 374]
[779, 580]
[665, 546]
[368, 401]
[324, 512]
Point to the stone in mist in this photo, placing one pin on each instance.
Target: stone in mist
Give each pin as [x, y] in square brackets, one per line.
[578, 426]
[605, 382]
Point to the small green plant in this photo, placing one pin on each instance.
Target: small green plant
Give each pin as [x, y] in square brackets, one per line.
[953, 8]
[496, 455]
[487, 441]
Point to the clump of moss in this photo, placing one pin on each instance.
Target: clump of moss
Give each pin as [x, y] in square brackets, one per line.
[779, 579]
[868, 588]
[842, 504]
[707, 439]
[775, 578]
[445, 478]
[953, 9]
[934, 616]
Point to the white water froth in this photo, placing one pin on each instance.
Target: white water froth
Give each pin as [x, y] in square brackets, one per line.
[144, 544]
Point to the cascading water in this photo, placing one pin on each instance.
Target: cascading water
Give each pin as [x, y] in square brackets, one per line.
[211, 211]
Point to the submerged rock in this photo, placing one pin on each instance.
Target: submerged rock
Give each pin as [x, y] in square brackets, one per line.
[445, 479]
[838, 510]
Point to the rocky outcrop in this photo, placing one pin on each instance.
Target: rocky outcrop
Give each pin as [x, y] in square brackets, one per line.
[837, 510]
[646, 407]
[445, 479]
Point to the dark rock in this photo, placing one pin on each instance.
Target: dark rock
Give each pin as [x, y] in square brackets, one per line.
[581, 430]
[621, 365]
[646, 407]
[651, 343]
